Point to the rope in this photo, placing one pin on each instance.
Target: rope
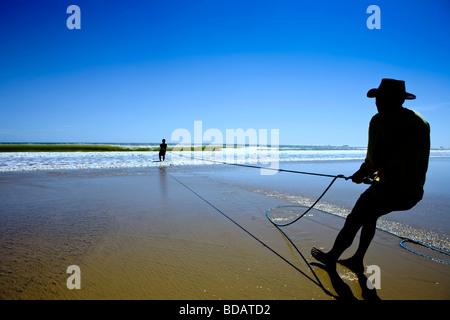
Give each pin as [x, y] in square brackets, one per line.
[258, 167]
[426, 245]
[291, 222]
[402, 242]
[316, 281]
[335, 177]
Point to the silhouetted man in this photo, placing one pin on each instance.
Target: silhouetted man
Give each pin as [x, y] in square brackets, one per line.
[396, 160]
[162, 150]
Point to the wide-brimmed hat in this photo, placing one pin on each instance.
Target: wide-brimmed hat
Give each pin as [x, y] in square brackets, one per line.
[391, 87]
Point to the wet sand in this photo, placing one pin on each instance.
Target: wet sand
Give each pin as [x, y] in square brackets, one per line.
[141, 234]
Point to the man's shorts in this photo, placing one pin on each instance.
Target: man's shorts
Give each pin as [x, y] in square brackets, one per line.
[379, 200]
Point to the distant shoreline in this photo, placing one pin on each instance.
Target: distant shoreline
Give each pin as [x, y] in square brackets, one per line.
[144, 147]
[36, 147]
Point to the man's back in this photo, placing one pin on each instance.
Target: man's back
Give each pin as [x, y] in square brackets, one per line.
[399, 147]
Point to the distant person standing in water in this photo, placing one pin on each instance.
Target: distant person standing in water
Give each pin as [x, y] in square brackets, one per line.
[162, 150]
[397, 161]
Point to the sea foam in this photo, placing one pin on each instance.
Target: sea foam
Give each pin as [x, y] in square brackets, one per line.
[32, 161]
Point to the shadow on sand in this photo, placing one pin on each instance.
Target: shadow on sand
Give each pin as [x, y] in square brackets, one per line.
[343, 290]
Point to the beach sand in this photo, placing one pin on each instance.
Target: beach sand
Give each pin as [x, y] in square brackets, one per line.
[141, 234]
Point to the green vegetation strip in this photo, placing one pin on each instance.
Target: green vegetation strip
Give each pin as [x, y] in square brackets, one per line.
[88, 148]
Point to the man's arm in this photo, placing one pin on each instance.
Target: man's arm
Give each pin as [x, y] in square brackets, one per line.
[364, 172]
[368, 168]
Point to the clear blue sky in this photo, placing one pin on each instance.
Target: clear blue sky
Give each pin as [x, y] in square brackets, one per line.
[138, 70]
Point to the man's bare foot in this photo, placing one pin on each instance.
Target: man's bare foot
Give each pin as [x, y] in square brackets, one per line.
[323, 257]
[353, 264]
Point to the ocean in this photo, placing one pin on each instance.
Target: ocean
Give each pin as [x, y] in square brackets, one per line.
[26, 161]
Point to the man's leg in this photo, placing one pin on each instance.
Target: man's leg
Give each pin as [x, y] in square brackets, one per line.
[356, 263]
[379, 207]
[345, 238]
